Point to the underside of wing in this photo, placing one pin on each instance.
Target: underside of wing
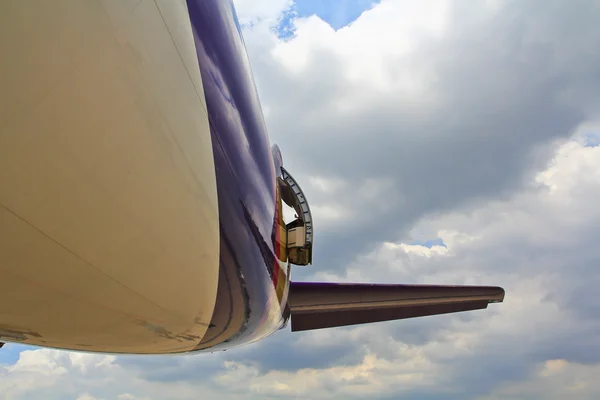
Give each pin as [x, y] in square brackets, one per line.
[326, 305]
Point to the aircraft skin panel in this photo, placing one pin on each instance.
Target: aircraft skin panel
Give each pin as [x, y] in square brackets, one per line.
[253, 283]
[109, 219]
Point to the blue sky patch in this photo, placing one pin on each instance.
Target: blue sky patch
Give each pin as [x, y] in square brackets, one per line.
[591, 139]
[337, 13]
[285, 27]
[9, 354]
[428, 243]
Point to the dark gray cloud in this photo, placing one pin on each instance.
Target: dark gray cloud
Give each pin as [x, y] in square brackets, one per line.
[283, 351]
[540, 245]
[497, 88]
[174, 368]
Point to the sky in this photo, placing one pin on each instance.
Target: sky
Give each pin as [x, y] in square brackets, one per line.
[446, 142]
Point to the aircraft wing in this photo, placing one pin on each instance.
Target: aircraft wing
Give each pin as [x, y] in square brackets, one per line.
[326, 305]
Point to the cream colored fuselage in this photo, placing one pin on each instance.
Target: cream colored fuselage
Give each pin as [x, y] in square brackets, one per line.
[109, 233]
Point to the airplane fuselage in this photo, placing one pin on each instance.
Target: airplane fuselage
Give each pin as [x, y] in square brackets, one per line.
[138, 203]
[140, 200]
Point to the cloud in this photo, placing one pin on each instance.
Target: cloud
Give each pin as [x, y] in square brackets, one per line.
[447, 103]
[554, 379]
[55, 371]
[365, 378]
[265, 12]
[86, 397]
[82, 376]
[538, 243]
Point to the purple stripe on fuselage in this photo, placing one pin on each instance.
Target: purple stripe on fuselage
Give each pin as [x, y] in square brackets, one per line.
[245, 175]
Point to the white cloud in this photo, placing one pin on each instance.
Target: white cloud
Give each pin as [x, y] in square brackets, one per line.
[260, 11]
[44, 362]
[86, 397]
[55, 370]
[555, 379]
[445, 102]
[371, 376]
[556, 211]
[539, 244]
[396, 25]
[127, 396]
[60, 374]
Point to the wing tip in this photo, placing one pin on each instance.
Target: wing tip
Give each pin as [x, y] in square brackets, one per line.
[499, 296]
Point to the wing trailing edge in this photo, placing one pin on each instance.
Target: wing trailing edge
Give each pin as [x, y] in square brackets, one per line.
[327, 305]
